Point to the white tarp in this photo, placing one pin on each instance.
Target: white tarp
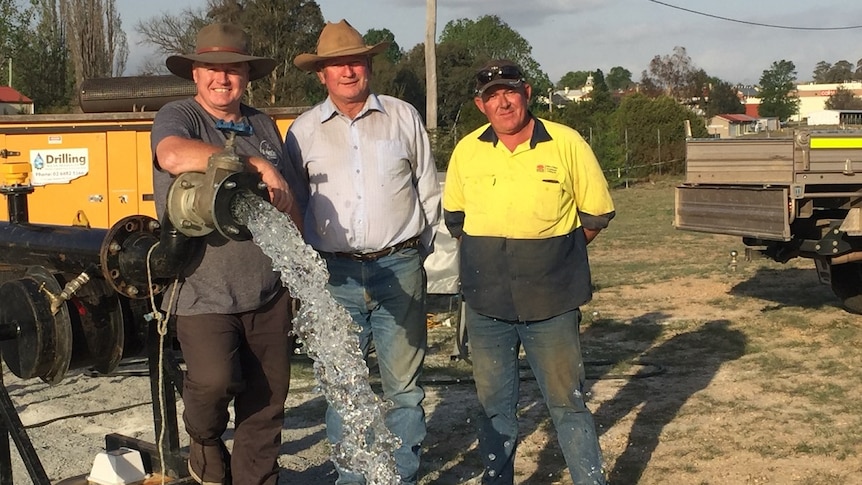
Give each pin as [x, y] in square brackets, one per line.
[442, 265]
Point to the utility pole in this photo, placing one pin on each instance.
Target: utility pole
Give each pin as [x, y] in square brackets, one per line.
[431, 67]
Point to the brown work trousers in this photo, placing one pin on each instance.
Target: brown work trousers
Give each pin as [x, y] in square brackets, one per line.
[244, 357]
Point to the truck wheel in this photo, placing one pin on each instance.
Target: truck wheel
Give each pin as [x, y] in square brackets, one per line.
[847, 285]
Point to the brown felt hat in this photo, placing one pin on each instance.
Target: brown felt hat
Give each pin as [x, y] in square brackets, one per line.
[221, 44]
[338, 40]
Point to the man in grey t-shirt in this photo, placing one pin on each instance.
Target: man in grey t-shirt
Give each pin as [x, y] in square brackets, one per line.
[233, 315]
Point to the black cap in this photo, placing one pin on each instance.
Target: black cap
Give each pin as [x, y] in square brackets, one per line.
[499, 72]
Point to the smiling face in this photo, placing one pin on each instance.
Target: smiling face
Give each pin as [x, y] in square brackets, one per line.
[506, 108]
[347, 79]
[220, 87]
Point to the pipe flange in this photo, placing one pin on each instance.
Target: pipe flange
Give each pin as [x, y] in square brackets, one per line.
[43, 346]
[123, 257]
[232, 186]
[99, 322]
[186, 204]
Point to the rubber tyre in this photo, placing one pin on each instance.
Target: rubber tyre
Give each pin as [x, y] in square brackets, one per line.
[847, 285]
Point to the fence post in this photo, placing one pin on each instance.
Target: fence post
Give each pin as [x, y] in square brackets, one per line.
[627, 157]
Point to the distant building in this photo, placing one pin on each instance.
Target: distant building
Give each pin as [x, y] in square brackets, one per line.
[750, 99]
[812, 97]
[567, 95]
[835, 117]
[13, 103]
[731, 125]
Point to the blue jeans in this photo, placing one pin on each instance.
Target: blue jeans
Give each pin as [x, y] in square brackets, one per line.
[386, 298]
[553, 351]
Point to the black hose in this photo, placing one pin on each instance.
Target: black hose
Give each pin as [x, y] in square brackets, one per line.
[657, 369]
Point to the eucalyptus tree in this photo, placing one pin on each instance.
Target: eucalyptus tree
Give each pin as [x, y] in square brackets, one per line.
[777, 91]
[489, 37]
[14, 23]
[280, 29]
[674, 75]
[723, 99]
[619, 79]
[843, 99]
[49, 82]
[376, 36]
[573, 80]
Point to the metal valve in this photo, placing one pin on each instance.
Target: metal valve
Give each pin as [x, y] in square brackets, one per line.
[199, 203]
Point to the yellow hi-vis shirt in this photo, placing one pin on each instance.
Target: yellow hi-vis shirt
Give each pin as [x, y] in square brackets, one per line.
[538, 191]
[520, 216]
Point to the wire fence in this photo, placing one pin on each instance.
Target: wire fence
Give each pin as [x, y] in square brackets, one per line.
[625, 156]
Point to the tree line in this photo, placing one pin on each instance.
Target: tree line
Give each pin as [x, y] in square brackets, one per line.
[50, 46]
[629, 124]
[840, 72]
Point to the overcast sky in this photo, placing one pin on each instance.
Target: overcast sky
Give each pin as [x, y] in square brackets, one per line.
[584, 35]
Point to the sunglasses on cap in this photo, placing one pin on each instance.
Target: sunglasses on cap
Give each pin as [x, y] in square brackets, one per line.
[502, 72]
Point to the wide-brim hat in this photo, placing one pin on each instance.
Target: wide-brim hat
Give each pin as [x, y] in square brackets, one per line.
[221, 44]
[337, 40]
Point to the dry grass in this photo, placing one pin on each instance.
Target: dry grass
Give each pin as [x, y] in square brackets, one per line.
[699, 372]
[760, 362]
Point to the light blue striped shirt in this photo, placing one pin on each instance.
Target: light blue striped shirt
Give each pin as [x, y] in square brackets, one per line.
[366, 183]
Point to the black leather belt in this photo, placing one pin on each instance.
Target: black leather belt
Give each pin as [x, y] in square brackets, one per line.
[374, 256]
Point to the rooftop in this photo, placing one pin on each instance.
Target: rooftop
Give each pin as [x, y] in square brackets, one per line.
[10, 95]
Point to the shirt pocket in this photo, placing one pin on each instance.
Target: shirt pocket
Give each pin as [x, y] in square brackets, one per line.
[543, 197]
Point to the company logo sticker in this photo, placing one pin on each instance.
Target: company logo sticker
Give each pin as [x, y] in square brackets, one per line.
[58, 166]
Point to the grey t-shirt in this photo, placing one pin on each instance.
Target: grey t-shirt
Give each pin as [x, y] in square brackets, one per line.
[226, 276]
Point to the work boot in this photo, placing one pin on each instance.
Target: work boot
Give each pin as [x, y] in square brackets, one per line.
[208, 464]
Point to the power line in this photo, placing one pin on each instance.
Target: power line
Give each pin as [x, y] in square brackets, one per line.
[758, 24]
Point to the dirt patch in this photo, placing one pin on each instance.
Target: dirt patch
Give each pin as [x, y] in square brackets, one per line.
[677, 385]
[699, 374]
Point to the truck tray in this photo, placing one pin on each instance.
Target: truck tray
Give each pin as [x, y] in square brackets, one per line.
[737, 211]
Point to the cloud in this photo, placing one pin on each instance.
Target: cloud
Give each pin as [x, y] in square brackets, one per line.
[516, 14]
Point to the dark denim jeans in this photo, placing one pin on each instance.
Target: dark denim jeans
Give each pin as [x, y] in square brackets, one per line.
[386, 298]
[553, 351]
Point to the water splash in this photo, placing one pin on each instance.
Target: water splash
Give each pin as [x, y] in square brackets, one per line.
[331, 339]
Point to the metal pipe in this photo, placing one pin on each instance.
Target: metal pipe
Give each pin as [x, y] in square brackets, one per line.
[16, 203]
[174, 251]
[66, 249]
[119, 254]
[171, 253]
[134, 239]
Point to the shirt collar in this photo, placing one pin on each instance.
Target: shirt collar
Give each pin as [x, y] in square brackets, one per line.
[540, 134]
[328, 109]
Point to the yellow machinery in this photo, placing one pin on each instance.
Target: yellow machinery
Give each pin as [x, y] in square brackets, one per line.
[90, 169]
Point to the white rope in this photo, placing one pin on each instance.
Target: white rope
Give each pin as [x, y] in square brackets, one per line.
[162, 328]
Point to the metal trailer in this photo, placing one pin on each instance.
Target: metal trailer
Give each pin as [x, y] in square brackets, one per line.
[788, 197]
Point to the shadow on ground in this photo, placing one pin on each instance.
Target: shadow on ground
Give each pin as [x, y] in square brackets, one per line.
[787, 287]
[689, 362]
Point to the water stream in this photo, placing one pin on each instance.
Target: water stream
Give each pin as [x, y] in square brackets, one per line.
[331, 339]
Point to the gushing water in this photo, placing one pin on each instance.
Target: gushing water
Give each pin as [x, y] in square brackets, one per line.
[331, 338]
